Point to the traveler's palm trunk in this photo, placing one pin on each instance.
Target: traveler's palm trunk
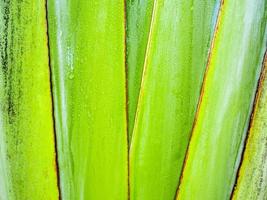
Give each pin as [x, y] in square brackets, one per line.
[133, 99]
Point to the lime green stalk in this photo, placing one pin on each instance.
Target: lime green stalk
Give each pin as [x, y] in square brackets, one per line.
[138, 24]
[252, 179]
[27, 153]
[87, 40]
[227, 98]
[175, 62]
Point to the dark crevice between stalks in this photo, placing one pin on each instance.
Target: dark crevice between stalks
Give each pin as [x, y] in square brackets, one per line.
[126, 98]
[256, 100]
[202, 91]
[52, 99]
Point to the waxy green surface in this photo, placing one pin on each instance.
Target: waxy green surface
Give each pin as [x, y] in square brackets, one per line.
[252, 177]
[87, 41]
[139, 13]
[228, 95]
[27, 154]
[175, 62]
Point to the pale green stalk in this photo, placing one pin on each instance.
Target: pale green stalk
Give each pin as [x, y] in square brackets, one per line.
[175, 62]
[227, 98]
[252, 177]
[87, 40]
[138, 17]
[27, 154]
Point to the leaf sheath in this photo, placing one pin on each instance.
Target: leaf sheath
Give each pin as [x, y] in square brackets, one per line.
[27, 154]
[174, 66]
[87, 40]
[228, 95]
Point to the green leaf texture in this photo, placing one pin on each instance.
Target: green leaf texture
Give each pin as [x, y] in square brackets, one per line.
[228, 94]
[252, 179]
[87, 40]
[27, 153]
[175, 62]
[138, 25]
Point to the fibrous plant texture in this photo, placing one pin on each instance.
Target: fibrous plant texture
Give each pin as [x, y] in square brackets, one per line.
[133, 99]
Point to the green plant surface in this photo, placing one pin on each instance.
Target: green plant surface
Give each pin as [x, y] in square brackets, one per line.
[175, 62]
[252, 179]
[228, 95]
[87, 41]
[27, 153]
[138, 25]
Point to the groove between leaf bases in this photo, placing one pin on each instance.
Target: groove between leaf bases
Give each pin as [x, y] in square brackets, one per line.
[251, 121]
[52, 102]
[126, 99]
[217, 26]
